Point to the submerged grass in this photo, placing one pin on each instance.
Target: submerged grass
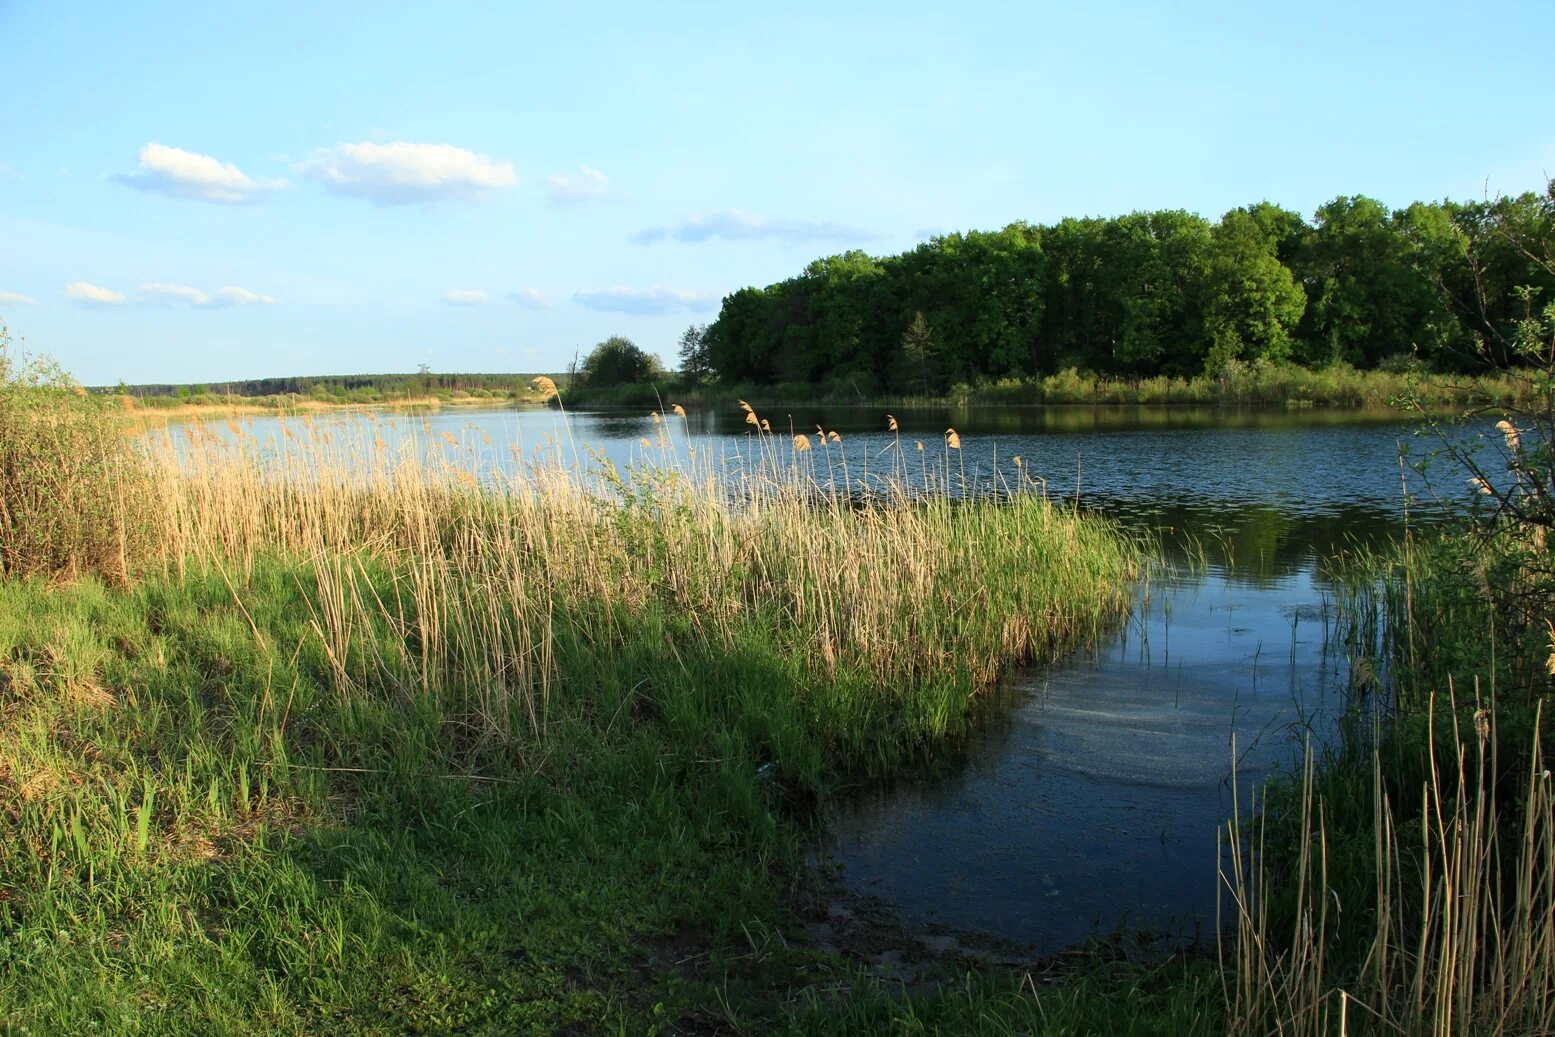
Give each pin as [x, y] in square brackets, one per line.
[354, 741]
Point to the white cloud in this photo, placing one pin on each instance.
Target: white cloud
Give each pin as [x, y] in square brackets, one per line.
[94, 295]
[584, 185]
[17, 299]
[176, 292]
[185, 174]
[465, 297]
[645, 301]
[530, 297]
[402, 172]
[229, 295]
[737, 225]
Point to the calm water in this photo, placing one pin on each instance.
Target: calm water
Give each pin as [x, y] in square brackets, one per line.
[1092, 803]
[1093, 800]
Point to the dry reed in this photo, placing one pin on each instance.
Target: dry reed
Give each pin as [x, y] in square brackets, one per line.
[486, 565]
[1459, 936]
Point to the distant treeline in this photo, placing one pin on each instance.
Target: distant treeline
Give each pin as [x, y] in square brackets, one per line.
[385, 386]
[1149, 294]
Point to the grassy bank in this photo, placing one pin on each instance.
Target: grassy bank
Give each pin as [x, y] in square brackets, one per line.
[1243, 384]
[296, 746]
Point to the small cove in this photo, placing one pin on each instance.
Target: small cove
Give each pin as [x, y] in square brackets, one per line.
[1090, 804]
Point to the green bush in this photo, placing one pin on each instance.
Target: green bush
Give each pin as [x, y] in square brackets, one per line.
[70, 478]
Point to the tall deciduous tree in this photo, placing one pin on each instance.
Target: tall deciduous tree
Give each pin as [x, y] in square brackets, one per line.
[693, 353]
[1251, 301]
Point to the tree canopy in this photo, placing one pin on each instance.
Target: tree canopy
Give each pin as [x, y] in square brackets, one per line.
[1148, 293]
[617, 361]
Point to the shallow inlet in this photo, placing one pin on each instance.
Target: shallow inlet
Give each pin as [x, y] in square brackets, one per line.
[1092, 802]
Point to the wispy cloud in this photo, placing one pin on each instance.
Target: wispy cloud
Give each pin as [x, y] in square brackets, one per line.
[175, 293]
[230, 295]
[94, 295]
[645, 301]
[530, 297]
[184, 174]
[465, 297]
[737, 225]
[587, 184]
[17, 299]
[404, 173]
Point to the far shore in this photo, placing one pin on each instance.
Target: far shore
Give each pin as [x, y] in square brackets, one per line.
[241, 407]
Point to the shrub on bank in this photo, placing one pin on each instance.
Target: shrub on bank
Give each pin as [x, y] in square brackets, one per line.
[71, 485]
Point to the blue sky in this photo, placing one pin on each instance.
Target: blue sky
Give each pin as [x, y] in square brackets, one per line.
[193, 193]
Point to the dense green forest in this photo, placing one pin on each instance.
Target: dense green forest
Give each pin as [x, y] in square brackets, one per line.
[1438, 285]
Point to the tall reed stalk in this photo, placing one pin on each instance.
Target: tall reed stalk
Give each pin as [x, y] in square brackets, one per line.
[1458, 934]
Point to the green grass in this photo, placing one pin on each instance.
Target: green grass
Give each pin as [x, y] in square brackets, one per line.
[1270, 385]
[213, 832]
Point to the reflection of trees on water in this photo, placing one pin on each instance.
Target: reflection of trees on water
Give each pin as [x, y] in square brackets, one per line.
[921, 421]
[1257, 544]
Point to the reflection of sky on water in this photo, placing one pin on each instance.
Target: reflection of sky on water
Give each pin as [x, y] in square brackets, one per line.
[1093, 800]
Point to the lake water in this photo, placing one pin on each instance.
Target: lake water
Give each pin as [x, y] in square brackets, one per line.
[1092, 800]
